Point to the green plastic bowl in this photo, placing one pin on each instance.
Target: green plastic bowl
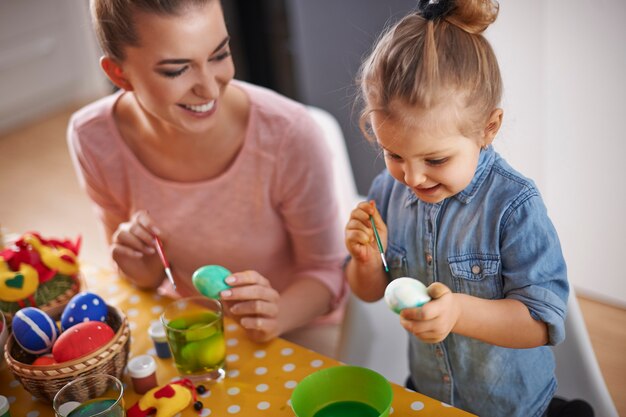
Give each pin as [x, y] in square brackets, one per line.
[345, 391]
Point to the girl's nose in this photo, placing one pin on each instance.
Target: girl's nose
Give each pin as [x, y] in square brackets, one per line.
[414, 176]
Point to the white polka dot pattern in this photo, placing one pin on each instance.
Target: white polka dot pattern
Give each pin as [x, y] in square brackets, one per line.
[260, 378]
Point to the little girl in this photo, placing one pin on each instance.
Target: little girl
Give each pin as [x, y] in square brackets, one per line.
[452, 213]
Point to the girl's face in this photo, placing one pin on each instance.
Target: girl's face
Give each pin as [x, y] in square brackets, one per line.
[182, 66]
[426, 151]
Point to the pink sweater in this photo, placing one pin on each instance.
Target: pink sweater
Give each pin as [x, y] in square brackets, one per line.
[272, 211]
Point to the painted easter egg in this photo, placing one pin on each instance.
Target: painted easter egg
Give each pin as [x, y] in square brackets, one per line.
[209, 280]
[206, 353]
[404, 293]
[84, 306]
[34, 330]
[81, 339]
[44, 360]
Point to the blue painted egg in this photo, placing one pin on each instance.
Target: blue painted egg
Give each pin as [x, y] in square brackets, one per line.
[404, 293]
[209, 280]
[84, 306]
[34, 330]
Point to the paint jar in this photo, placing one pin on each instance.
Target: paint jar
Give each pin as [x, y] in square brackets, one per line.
[157, 334]
[142, 372]
[4, 406]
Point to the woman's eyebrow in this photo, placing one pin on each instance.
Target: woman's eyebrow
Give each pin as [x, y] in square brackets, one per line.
[178, 61]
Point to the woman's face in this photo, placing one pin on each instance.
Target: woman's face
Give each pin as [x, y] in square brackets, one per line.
[181, 67]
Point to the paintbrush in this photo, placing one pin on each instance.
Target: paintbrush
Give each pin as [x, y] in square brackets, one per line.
[380, 245]
[166, 264]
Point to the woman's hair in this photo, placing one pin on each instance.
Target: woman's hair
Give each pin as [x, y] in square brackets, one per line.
[113, 20]
[431, 55]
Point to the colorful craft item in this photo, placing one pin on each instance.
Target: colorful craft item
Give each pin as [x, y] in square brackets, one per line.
[84, 306]
[18, 285]
[60, 259]
[44, 360]
[209, 280]
[23, 252]
[34, 330]
[81, 340]
[167, 400]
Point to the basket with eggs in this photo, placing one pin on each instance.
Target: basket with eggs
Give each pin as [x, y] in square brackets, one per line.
[91, 338]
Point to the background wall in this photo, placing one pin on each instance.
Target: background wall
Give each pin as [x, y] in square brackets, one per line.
[47, 59]
[563, 64]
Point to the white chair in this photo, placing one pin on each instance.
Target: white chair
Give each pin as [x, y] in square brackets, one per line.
[577, 369]
[371, 334]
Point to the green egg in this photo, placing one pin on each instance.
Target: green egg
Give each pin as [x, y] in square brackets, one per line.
[211, 352]
[199, 331]
[209, 280]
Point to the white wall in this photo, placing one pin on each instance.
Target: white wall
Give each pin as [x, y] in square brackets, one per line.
[564, 70]
[48, 59]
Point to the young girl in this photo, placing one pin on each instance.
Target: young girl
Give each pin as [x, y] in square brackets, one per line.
[225, 172]
[453, 214]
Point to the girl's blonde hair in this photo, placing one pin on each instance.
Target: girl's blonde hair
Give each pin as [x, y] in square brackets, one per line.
[114, 25]
[430, 54]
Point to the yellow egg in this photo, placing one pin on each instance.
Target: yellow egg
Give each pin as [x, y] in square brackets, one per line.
[211, 352]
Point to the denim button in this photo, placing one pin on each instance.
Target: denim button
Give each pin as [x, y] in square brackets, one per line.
[429, 258]
[446, 378]
[476, 269]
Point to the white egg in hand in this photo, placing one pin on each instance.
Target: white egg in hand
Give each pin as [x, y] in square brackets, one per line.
[404, 293]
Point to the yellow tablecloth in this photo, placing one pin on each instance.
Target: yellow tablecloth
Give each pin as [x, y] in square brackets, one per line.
[259, 379]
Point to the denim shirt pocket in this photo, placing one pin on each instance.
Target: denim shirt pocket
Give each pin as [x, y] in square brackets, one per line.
[396, 261]
[477, 275]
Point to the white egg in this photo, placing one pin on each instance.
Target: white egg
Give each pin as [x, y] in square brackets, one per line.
[404, 293]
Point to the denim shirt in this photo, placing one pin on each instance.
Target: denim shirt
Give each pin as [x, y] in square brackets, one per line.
[492, 240]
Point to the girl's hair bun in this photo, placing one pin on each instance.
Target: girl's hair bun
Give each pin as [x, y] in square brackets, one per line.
[434, 9]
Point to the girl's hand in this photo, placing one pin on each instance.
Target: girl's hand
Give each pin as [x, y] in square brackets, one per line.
[135, 238]
[360, 237]
[432, 322]
[253, 303]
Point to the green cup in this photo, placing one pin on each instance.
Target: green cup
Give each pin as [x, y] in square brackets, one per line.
[345, 391]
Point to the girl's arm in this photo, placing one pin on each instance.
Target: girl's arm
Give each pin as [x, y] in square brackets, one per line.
[504, 322]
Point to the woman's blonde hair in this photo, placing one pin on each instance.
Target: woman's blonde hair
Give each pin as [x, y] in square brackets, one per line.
[430, 54]
[114, 24]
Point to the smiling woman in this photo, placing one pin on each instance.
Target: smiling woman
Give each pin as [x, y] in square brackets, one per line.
[224, 172]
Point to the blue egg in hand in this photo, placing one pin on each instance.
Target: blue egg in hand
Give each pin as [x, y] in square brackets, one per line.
[404, 293]
[209, 280]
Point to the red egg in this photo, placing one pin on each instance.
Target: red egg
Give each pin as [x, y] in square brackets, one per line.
[45, 360]
[81, 339]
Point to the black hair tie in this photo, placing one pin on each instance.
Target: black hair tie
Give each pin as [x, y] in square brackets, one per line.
[434, 9]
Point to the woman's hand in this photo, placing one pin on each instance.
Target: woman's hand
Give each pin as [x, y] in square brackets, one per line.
[253, 303]
[135, 238]
[360, 237]
[133, 250]
[432, 322]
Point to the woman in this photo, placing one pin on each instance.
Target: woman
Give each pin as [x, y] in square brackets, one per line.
[222, 171]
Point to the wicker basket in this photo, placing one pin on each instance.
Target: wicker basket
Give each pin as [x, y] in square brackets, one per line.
[45, 381]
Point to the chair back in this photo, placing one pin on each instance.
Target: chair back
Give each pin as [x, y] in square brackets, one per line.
[577, 370]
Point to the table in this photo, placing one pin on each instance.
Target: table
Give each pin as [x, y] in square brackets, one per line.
[259, 378]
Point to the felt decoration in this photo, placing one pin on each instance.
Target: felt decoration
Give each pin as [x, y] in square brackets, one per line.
[34, 330]
[81, 340]
[84, 306]
[167, 400]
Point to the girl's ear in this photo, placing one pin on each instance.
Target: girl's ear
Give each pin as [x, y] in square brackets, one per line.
[492, 127]
[115, 73]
